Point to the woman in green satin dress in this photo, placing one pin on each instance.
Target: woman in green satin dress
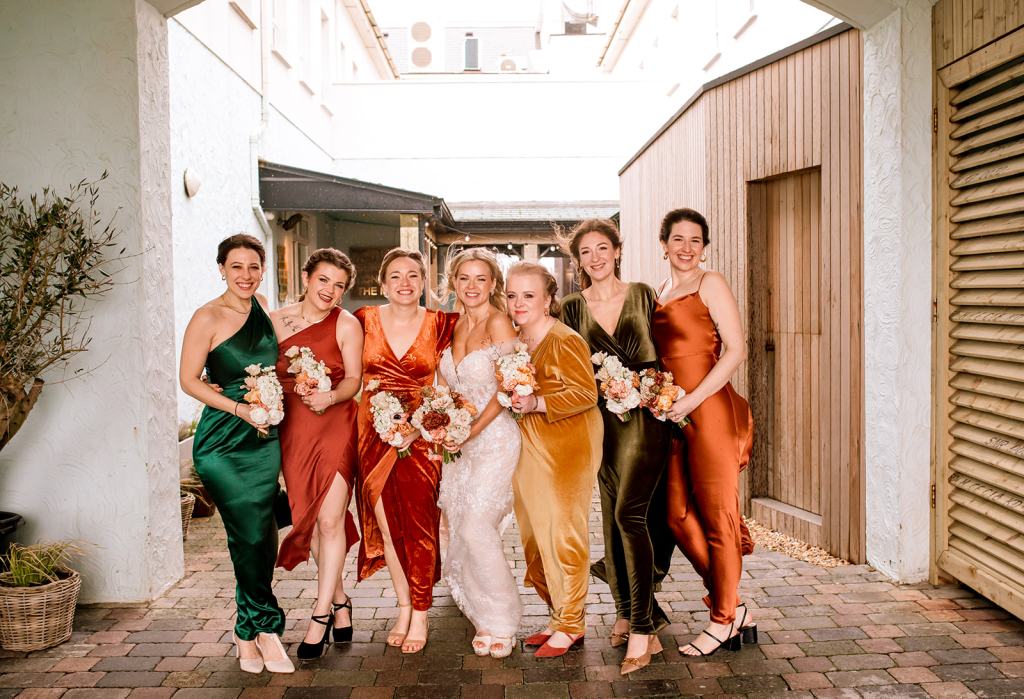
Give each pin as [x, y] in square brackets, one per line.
[239, 466]
[615, 317]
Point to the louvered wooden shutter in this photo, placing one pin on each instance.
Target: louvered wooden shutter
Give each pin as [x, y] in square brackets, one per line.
[984, 449]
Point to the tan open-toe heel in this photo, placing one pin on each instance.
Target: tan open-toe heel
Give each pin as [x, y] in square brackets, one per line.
[633, 664]
[397, 638]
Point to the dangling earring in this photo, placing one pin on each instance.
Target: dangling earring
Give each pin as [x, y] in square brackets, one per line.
[664, 256]
[223, 278]
[704, 257]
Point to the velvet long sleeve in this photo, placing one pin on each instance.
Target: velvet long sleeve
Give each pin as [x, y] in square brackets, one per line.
[567, 378]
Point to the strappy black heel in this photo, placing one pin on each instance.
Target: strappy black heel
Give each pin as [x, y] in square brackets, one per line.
[342, 634]
[748, 632]
[312, 651]
[732, 642]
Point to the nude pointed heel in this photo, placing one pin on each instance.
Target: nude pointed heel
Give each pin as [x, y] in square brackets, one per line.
[633, 664]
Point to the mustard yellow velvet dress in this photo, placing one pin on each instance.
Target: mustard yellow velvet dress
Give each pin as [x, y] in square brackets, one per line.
[554, 482]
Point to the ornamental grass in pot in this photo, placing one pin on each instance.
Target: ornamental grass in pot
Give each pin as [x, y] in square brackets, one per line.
[38, 594]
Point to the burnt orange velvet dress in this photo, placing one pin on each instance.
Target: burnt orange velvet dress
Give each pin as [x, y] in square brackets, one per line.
[554, 481]
[410, 485]
[704, 467]
[314, 447]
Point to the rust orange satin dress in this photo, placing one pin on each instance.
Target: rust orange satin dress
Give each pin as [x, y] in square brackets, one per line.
[409, 486]
[704, 467]
[314, 447]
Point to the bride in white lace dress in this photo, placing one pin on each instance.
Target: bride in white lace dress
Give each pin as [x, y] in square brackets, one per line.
[476, 489]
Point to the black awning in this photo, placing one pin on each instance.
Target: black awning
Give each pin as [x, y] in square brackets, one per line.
[293, 189]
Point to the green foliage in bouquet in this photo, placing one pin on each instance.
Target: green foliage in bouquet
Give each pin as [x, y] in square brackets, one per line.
[53, 249]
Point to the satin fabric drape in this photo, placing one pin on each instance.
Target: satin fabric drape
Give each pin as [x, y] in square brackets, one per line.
[314, 448]
[554, 481]
[240, 471]
[409, 486]
[704, 468]
[638, 548]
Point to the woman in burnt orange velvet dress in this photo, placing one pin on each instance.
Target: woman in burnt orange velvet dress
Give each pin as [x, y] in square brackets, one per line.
[398, 497]
[699, 336]
[318, 441]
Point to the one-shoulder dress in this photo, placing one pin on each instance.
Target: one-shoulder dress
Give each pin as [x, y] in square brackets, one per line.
[240, 470]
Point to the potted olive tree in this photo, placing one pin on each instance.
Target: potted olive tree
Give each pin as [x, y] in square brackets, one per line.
[53, 253]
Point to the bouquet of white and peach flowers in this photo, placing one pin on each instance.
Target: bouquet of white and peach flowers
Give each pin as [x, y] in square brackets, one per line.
[444, 418]
[658, 393]
[618, 385]
[390, 416]
[311, 374]
[516, 376]
[264, 396]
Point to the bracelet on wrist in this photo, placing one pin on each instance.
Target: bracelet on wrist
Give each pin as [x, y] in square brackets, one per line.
[234, 410]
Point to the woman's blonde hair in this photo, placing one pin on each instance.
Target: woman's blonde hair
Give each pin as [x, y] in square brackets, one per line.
[550, 284]
[396, 253]
[497, 297]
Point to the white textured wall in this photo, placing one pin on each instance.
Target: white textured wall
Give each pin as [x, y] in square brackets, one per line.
[85, 89]
[897, 289]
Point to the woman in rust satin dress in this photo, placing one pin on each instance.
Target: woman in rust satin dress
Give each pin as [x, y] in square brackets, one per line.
[318, 441]
[699, 336]
[398, 497]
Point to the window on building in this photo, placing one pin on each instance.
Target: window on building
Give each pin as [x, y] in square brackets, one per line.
[472, 54]
[575, 27]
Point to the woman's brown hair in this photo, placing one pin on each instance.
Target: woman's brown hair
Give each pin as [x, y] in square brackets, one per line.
[333, 257]
[550, 284]
[240, 240]
[396, 253]
[571, 241]
[676, 215]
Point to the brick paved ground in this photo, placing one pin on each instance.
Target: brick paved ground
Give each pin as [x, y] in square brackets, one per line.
[844, 632]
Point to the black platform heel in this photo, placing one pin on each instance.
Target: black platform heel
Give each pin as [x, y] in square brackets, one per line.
[748, 632]
[342, 634]
[312, 651]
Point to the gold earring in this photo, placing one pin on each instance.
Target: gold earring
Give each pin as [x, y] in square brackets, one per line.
[704, 257]
[664, 256]
[223, 278]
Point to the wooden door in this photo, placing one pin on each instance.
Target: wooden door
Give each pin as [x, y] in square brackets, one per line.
[785, 354]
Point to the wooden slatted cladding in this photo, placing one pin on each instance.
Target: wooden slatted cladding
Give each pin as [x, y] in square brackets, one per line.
[794, 113]
[980, 324]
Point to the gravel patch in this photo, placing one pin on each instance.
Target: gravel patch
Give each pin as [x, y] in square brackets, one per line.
[771, 540]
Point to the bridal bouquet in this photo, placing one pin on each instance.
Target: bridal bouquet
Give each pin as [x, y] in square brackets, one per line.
[264, 396]
[618, 384]
[444, 416]
[516, 376]
[390, 416]
[311, 374]
[658, 393]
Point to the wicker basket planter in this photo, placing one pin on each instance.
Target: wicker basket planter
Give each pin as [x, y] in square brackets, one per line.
[188, 502]
[33, 618]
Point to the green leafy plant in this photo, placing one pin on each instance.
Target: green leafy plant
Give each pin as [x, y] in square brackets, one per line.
[38, 564]
[53, 250]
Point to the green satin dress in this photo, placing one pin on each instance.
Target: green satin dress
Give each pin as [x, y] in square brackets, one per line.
[240, 470]
[638, 546]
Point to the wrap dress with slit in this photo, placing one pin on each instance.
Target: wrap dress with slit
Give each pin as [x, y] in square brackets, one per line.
[314, 448]
[409, 486]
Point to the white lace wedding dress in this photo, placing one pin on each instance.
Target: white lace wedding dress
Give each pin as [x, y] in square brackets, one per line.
[476, 497]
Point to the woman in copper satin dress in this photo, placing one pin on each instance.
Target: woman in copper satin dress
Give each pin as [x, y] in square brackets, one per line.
[700, 340]
[398, 497]
[318, 440]
[561, 453]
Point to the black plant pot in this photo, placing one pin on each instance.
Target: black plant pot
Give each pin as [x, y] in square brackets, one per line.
[9, 523]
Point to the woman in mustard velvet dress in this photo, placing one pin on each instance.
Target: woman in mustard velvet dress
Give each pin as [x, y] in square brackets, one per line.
[615, 318]
[700, 340]
[398, 497]
[561, 453]
[238, 466]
